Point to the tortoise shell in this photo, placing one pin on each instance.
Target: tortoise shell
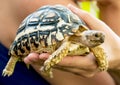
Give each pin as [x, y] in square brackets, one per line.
[47, 25]
[55, 29]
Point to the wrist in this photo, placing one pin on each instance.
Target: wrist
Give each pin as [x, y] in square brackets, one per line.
[114, 57]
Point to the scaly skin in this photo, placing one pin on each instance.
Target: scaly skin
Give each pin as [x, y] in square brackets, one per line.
[100, 58]
[45, 35]
[55, 58]
[9, 69]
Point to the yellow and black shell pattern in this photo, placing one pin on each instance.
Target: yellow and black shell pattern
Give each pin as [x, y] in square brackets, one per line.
[46, 24]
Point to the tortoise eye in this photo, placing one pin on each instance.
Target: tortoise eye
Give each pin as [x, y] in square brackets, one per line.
[96, 35]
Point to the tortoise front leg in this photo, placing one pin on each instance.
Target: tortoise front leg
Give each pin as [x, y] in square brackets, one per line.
[100, 57]
[9, 68]
[55, 58]
[78, 49]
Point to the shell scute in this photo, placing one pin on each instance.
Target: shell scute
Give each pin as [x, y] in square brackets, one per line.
[56, 30]
[46, 26]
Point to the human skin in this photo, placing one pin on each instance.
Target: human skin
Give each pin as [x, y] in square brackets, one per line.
[110, 13]
[11, 15]
[111, 36]
[109, 47]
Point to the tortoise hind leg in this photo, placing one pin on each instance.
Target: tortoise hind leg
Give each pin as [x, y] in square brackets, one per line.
[100, 57]
[55, 58]
[9, 69]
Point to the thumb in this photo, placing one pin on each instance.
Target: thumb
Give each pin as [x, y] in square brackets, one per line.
[91, 21]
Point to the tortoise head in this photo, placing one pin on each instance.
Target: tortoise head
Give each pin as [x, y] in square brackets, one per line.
[92, 38]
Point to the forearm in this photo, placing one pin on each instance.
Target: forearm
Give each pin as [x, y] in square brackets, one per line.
[110, 13]
[112, 48]
[114, 52]
[112, 40]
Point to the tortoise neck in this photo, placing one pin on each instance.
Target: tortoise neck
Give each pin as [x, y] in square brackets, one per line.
[75, 39]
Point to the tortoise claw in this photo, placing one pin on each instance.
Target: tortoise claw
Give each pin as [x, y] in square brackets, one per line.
[103, 66]
[46, 72]
[6, 73]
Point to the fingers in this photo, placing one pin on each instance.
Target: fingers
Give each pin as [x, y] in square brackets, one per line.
[96, 24]
[85, 66]
[35, 57]
[44, 56]
[91, 21]
[32, 57]
[81, 62]
[80, 65]
[69, 61]
[77, 71]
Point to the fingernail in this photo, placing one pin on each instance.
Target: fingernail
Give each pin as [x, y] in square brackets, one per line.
[73, 8]
[26, 61]
[70, 6]
[43, 56]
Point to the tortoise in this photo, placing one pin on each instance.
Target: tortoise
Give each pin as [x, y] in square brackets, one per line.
[56, 30]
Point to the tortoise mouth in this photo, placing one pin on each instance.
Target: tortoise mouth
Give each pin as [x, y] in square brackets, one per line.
[96, 42]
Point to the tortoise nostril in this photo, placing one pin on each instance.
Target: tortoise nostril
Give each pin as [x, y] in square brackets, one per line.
[102, 40]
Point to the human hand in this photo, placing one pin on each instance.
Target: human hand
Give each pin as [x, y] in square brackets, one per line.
[84, 66]
[76, 64]
[111, 44]
[80, 65]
